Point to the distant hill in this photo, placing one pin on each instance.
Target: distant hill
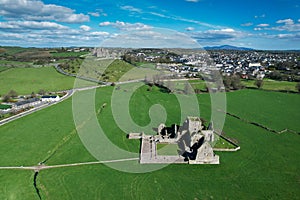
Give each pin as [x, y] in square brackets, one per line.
[228, 47]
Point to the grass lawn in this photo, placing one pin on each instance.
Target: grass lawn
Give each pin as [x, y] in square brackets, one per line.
[266, 167]
[167, 149]
[28, 80]
[13, 50]
[3, 68]
[223, 144]
[147, 65]
[17, 184]
[67, 54]
[273, 85]
[275, 110]
[112, 70]
[8, 63]
[116, 70]
[180, 85]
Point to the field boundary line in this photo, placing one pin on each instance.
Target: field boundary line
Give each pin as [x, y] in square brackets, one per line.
[260, 125]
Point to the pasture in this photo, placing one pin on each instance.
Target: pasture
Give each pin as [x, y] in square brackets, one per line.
[112, 70]
[68, 54]
[273, 85]
[28, 80]
[266, 167]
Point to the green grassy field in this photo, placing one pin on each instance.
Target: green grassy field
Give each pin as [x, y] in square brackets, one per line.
[67, 54]
[272, 85]
[27, 80]
[115, 70]
[275, 110]
[17, 184]
[112, 70]
[266, 167]
[13, 50]
[167, 149]
[3, 68]
[7, 63]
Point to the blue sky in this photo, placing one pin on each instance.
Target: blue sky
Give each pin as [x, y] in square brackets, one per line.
[260, 24]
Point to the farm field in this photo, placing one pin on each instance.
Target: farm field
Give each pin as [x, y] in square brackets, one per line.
[17, 184]
[33, 79]
[266, 167]
[273, 85]
[68, 54]
[112, 70]
[275, 110]
[7, 64]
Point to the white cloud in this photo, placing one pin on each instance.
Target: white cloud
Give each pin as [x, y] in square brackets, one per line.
[260, 16]
[175, 18]
[36, 10]
[263, 25]
[95, 14]
[53, 37]
[287, 25]
[283, 25]
[99, 33]
[28, 25]
[217, 35]
[85, 28]
[247, 24]
[194, 1]
[105, 24]
[178, 18]
[285, 21]
[131, 9]
[189, 28]
[291, 37]
[229, 30]
[126, 26]
[155, 38]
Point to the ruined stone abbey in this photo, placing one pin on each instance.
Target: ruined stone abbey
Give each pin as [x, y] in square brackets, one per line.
[193, 142]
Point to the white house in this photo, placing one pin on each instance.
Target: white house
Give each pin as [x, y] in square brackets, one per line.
[50, 98]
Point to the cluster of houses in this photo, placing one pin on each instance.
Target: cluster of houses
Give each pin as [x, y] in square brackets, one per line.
[252, 63]
[248, 64]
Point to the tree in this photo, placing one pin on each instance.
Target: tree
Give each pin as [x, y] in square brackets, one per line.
[259, 83]
[42, 92]
[236, 82]
[32, 95]
[227, 82]
[12, 94]
[6, 98]
[298, 87]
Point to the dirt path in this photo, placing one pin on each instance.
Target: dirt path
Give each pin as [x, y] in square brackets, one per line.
[41, 167]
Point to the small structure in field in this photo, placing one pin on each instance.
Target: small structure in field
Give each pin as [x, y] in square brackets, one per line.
[49, 99]
[192, 138]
